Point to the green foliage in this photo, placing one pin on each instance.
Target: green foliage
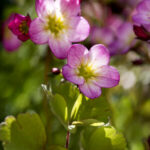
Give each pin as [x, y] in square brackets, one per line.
[5, 129]
[91, 122]
[21, 76]
[72, 108]
[57, 148]
[27, 133]
[97, 109]
[105, 138]
[59, 108]
[76, 107]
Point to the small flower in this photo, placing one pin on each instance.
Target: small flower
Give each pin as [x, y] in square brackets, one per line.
[142, 17]
[9, 40]
[101, 35]
[125, 39]
[20, 26]
[58, 24]
[90, 70]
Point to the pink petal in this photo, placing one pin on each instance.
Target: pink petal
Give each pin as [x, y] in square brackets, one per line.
[37, 33]
[70, 75]
[108, 77]
[60, 46]
[101, 35]
[23, 37]
[69, 7]
[44, 7]
[79, 29]
[141, 18]
[90, 90]
[143, 6]
[99, 55]
[76, 55]
[15, 22]
[9, 40]
[14, 28]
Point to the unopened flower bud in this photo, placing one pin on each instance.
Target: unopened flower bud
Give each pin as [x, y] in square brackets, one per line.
[56, 71]
[141, 33]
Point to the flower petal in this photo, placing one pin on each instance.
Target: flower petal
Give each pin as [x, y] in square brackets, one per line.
[10, 41]
[144, 6]
[141, 18]
[15, 22]
[99, 55]
[37, 33]
[44, 7]
[76, 54]
[69, 74]
[90, 90]
[69, 7]
[60, 46]
[79, 29]
[108, 77]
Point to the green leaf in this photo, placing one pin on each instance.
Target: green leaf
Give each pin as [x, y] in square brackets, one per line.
[97, 109]
[106, 138]
[76, 107]
[90, 122]
[67, 90]
[5, 128]
[27, 133]
[59, 108]
[56, 148]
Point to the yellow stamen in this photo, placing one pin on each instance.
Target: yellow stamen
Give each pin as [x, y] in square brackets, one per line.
[55, 25]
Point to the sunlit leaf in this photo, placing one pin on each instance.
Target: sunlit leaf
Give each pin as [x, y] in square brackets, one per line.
[91, 122]
[27, 133]
[97, 109]
[5, 128]
[106, 138]
[76, 107]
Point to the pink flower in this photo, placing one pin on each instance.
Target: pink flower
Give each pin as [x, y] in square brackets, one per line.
[90, 70]
[20, 26]
[58, 24]
[9, 40]
[142, 17]
[102, 35]
[125, 39]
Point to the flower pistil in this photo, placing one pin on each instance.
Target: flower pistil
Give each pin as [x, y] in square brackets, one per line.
[86, 72]
[55, 25]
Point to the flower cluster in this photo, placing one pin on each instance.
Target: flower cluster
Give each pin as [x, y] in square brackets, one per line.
[59, 24]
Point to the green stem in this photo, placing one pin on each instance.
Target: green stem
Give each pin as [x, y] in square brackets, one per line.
[47, 112]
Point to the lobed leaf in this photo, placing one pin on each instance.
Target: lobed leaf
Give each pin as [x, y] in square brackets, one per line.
[106, 138]
[97, 109]
[59, 108]
[27, 133]
[5, 128]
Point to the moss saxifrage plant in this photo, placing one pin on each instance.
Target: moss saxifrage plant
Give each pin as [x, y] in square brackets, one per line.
[74, 92]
